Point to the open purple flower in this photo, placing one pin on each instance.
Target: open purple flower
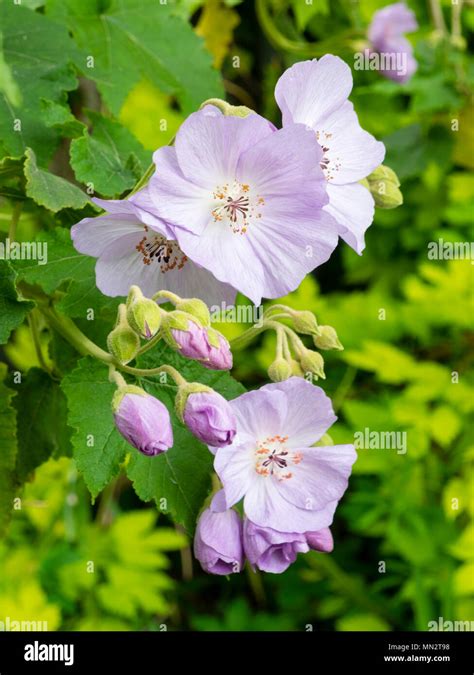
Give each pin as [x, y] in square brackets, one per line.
[134, 247]
[273, 551]
[287, 484]
[144, 422]
[244, 201]
[218, 542]
[315, 93]
[386, 34]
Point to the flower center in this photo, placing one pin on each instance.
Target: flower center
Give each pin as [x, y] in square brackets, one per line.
[273, 458]
[236, 206]
[330, 166]
[165, 252]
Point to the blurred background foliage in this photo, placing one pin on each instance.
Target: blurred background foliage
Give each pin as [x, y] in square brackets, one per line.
[404, 533]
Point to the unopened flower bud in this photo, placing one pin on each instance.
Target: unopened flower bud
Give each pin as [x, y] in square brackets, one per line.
[327, 339]
[207, 414]
[220, 354]
[279, 370]
[305, 322]
[383, 172]
[123, 343]
[312, 362]
[197, 308]
[142, 420]
[228, 109]
[384, 188]
[218, 542]
[143, 314]
[183, 333]
[296, 368]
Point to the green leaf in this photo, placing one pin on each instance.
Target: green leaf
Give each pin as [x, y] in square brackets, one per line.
[42, 428]
[8, 86]
[444, 425]
[50, 191]
[12, 310]
[8, 453]
[98, 448]
[69, 269]
[134, 39]
[59, 116]
[304, 11]
[110, 158]
[178, 480]
[37, 52]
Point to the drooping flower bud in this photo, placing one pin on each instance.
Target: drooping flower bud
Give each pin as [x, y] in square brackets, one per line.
[122, 342]
[210, 418]
[228, 108]
[197, 308]
[279, 370]
[304, 322]
[327, 339]
[183, 333]
[312, 362]
[142, 420]
[384, 188]
[220, 354]
[296, 368]
[143, 314]
[218, 542]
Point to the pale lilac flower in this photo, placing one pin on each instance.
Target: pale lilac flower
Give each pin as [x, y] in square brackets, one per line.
[273, 551]
[245, 201]
[210, 418]
[218, 542]
[315, 93]
[286, 483]
[134, 247]
[145, 423]
[386, 34]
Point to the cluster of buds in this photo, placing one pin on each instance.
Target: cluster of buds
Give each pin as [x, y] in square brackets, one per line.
[293, 357]
[187, 329]
[145, 422]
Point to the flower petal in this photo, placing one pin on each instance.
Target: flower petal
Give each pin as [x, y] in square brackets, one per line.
[352, 206]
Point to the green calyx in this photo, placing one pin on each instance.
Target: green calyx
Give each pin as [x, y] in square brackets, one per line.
[279, 370]
[122, 391]
[122, 342]
[182, 396]
[305, 322]
[384, 187]
[196, 308]
[143, 314]
[213, 337]
[327, 339]
[312, 362]
[228, 109]
[176, 320]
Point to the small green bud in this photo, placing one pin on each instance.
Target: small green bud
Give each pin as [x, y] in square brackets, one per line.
[196, 308]
[143, 314]
[327, 339]
[385, 173]
[312, 362]
[296, 368]
[279, 370]
[123, 343]
[384, 187]
[305, 322]
[182, 396]
[120, 393]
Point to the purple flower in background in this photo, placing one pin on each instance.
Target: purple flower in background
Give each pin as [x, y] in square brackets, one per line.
[144, 422]
[134, 247]
[315, 93]
[287, 485]
[386, 34]
[218, 542]
[273, 551]
[210, 418]
[245, 201]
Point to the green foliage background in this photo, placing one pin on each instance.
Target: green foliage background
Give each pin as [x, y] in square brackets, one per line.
[404, 552]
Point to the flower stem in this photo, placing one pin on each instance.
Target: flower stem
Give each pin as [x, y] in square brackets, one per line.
[115, 377]
[143, 180]
[144, 372]
[438, 18]
[33, 324]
